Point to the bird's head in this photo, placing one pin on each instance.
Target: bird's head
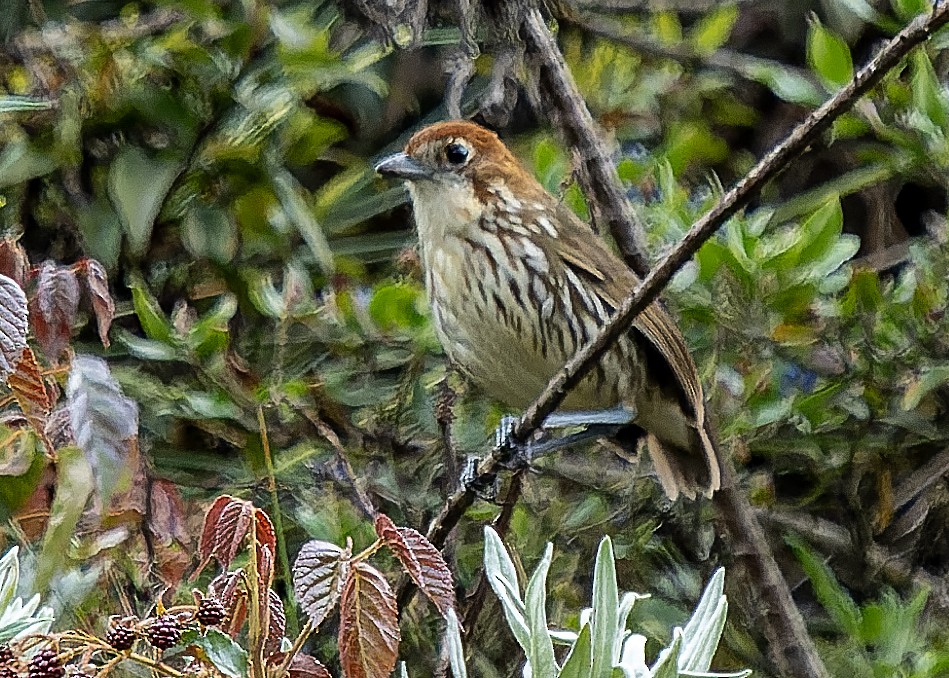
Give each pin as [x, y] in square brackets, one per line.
[457, 167]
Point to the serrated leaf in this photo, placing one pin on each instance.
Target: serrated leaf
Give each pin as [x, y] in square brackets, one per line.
[368, 624]
[14, 262]
[319, 573]
[421, 560]
[13, 324]
[104, 421]
[226, 525]
[831, 595]
[97, 285]
[31, 394]
[138, 185]
[54, 307]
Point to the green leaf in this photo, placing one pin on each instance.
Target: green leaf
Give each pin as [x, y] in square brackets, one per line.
[714, 29]
[667, 665]
[11, 103]
[540, 652]
[579, 663]
[209, 232]
[227, 656]
[606, 637]
[924, 384]
[74, 486]
[907, 10]
[154, 323]
[145, 349]
[21, 161]
[828, 55]
[456, 653]
[703, 632]
[928, 96]
[300, 214]
[829, 592]
[394, 306]
[502, 576]
[138, 185]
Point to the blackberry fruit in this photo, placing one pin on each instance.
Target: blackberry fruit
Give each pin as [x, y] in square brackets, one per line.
[7, 671]
[211, 612]
[6, 655]
[45, 664]
[120, 636]
[164, 632]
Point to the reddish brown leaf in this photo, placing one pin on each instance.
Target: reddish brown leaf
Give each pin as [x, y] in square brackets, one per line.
[53, 308]
[368, 624]
[225, 527]
[301, 666]
[166, 513]
[97, 284]
[318, 576]
[265, 571]
[13, 261]
[13, 324]
[277, 623]
[421, 560]
[227, 587]
[31, 394]
[59, 429]
[265, 533]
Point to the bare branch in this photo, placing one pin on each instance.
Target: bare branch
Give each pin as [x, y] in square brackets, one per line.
[598, 177]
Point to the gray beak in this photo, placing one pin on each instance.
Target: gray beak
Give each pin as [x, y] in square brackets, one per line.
[403, 166]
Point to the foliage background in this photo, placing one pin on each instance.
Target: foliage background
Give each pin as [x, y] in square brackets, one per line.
[216, 158]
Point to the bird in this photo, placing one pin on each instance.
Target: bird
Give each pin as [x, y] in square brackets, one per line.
[517, 283]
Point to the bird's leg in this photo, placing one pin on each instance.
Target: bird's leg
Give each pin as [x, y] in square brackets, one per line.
[615, 416]
[597, 423]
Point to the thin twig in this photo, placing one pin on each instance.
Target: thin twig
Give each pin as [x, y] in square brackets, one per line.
[598, 176]
[290, 612]
[744, 65]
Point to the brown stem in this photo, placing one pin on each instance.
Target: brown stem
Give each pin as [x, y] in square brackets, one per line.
[598, 177]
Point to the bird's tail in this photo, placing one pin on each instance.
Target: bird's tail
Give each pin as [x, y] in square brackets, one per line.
[687, 471]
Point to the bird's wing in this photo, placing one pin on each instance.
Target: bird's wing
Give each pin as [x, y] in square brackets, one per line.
[585, 253]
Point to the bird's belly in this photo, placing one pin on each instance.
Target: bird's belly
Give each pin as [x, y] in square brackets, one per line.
[505, 338]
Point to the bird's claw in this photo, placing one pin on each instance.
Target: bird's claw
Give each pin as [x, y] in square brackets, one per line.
[485, 486]
[514, 455]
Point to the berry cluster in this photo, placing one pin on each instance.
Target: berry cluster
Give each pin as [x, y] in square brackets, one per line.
[164, 632]
[121, 635]
[7, 661]
[46, 664]
[211, 612]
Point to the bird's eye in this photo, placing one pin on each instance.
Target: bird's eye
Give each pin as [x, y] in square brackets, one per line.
[456, 154]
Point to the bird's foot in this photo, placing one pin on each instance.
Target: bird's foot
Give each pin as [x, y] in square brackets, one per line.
[485, 486]
[514, 455]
